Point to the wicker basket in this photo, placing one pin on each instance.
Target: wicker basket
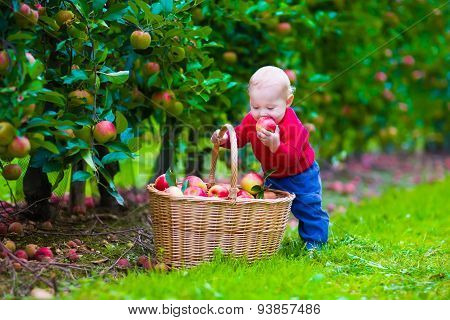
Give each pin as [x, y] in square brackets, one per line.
[188, 229]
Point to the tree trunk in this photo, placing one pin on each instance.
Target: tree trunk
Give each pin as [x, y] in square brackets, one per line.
[78, 190]
[37, 190]
[106, 199]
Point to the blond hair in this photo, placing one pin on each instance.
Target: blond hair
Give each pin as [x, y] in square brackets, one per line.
[269, 76]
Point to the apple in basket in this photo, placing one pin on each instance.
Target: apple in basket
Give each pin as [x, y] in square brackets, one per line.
[196, 182]
[195, 191]
[244, 195]
[269, 195]
[174, 191]
[250, 180]
[161, 183]
[267, 123]
[218, 191]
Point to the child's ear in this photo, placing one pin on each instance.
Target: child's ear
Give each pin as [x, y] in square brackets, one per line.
[289, 100]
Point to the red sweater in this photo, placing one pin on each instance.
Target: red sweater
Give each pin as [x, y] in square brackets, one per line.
[293, 156]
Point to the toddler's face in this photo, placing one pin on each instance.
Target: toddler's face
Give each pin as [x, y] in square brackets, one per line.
[269, 102]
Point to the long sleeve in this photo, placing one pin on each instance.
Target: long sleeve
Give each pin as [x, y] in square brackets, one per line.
[241, 133]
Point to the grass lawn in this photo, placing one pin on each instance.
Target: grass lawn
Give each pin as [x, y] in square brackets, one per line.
[392, 247]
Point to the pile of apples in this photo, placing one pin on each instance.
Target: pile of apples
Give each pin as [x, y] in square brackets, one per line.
[252, 186]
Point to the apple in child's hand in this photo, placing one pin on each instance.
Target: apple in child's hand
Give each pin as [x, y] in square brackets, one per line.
[195, 191]
[244, 195]
[250, 180]
[161, 183]
[174, 191]
[267, 123]
[218, 191]
[196, 182]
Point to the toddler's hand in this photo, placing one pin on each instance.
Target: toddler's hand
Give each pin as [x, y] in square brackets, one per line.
[270, 139]
[215, 138]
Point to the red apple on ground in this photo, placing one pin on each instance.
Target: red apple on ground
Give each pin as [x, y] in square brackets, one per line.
[72, 244]
[11, 172]
[7, 133]
[16, 227]
[140, 40]
[43, 254]
[21, 254]
[72, 255]
[47, 225]
[195, 191]
[230, 57]
[291, 75]
[218, 191]
[174, 191]
[196, 182]
[349, 188]
[144, 262]
[161, 183]
[64, 17]
[105, 131]
[267, 123]
[89, 202]
[151, 68]
[250, 180]
[4, 62]
[244, 195]
[284, 28]
[123, 264]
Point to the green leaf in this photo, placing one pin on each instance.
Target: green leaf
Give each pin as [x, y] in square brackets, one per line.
[75, 75]
[82, 7]
[87, 156]
[114, 156]
[167, 5]
[157, 8]
[20, 35]
[257, 189]
[171, 178]
[260, 195]
[80, 176]
[121, 122]
[36, 69]
[45, 144]
[268, 173]
[117, 77]
[185, 185]
[116, 12]
[200, 32]
[50, 22]
[58, 180]
[319, 78]
[53, 97]
[98, 5]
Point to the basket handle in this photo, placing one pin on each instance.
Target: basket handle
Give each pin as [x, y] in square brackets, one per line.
[234, 160]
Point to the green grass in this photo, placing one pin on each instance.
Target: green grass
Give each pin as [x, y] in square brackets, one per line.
[393, 247]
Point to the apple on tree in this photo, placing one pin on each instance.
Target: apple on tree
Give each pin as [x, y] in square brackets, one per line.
[104, 131]
[140, 40]
[20, 147]
[11, 172]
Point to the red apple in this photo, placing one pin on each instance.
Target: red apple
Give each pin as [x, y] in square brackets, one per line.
[417, 74]
[196, 182]
[123, 264]
[349, 188]
[244, 195]
[408, 60]
[174, 191]
[195, 191]
[72, 255]
[20, 147]
[164, 98]
[267, 123]
[64, 17]
[42, 11]
[43, 254]
[270, 195]
[284, 28]
[7, 133]
[380, 76]
[16, 227]
[151, 68]
[218, 191]
[291, 75]
[26, 17]
[11, 172]
[104, 131]
[144, 262]
[230, 57]
[21, 254]
[4, 62]
[161, 183]
[388, 95]
[89, 202]
[140, 40]
[31, 249]
[250, 180]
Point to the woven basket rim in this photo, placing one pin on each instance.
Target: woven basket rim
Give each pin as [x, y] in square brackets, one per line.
[288, 197]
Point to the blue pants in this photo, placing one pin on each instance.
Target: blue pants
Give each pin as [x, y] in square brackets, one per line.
[307, 205]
